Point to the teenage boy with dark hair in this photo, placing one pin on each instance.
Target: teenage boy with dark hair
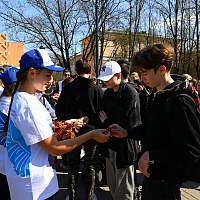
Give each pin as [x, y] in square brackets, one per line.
[81, 98]
[171, 131]
[120, 104]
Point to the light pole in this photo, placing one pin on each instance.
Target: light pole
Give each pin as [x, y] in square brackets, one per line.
[96, 37]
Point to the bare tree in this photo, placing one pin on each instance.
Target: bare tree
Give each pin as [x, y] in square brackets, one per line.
[197, 37]
[51, 24]
[138, 6]
[108, 17]
[169, 11]
[57, 24]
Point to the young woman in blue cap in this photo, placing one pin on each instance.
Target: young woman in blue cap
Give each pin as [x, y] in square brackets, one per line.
[9, 79]
[30, 136]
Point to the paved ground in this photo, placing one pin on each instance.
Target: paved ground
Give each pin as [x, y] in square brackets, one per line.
[190, 194]
[189, 191]
[100, 192]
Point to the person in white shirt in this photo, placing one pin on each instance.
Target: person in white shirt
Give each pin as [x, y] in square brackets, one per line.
[30, 135]
[9, 79]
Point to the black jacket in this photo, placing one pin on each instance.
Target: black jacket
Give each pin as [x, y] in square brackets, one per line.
[122, 107]
[169, 129]
[80, 98]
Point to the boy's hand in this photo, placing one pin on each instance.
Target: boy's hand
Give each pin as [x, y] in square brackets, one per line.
[101, 135]
[144, 163]
[117, 131]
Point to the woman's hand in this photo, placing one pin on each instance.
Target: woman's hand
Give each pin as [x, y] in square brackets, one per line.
[117, 131]
[78, 123]
[85, 119]
[55, 97]
[102, 116]
[100, 135]
[71, 123]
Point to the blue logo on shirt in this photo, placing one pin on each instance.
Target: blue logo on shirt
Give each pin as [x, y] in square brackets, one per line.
[18, 152]
[2, 135]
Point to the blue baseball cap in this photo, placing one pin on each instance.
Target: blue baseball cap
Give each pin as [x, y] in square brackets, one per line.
[9, 76]
[38, 59]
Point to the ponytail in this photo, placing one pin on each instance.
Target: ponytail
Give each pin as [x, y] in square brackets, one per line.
[21, 76]
[12, 97]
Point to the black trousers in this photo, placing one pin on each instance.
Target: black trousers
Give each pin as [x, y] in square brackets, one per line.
[4, 189]
[160, 190]
[72, 160]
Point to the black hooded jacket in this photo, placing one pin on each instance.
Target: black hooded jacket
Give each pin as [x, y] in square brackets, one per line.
[80, 98]
[170, 134]
[123, 108]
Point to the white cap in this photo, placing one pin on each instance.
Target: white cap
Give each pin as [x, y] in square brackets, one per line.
[108, 70]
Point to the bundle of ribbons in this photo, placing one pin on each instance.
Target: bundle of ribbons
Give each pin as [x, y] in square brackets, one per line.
[64, 130]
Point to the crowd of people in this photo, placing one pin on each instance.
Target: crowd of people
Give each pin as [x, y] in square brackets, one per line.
[147, 120]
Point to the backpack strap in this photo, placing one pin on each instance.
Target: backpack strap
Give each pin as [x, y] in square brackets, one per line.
[186, 96]
[170, 100]
[192, 100]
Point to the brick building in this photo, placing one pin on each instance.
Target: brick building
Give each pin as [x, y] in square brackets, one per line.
[115, 45]
[10, 52]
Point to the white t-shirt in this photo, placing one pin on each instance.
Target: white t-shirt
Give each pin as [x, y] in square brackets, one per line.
[4, 107]
[29, 175]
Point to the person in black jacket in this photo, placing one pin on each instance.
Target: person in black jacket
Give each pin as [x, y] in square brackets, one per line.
[81, 98]
[120, 104]
[171, 130]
